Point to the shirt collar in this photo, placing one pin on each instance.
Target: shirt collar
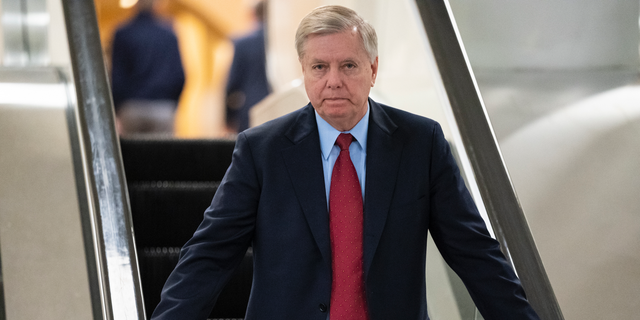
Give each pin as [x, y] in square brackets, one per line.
[329, 134]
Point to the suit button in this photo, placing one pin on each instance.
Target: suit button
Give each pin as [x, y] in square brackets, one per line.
[323, 307]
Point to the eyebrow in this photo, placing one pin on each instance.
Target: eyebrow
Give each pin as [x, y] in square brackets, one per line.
[316, 60]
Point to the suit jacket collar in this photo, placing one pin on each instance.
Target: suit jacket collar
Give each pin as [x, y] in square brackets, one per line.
[305, 169]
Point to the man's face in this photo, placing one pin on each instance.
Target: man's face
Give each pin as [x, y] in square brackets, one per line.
[338, 76]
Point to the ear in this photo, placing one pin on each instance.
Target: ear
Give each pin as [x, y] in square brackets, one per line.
[374, 70]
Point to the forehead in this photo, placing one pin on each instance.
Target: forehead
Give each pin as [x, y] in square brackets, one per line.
[342, 45]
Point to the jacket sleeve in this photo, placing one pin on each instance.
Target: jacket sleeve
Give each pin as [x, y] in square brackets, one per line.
[462, 238]
[217, 247]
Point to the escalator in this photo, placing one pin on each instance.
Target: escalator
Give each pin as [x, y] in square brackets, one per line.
[158, 188]
[171, 183]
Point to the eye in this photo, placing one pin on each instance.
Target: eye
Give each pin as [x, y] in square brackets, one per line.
[350, 65]
[318, 67]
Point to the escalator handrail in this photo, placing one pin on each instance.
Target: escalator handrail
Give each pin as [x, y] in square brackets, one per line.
[502, 205]
[117, 259]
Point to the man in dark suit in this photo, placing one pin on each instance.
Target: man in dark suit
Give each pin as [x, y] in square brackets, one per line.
[281, 196]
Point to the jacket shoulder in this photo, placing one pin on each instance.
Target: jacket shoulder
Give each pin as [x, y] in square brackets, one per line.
[403, 121]
[293, 127]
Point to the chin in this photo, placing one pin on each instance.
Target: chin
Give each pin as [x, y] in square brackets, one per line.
[340, 113]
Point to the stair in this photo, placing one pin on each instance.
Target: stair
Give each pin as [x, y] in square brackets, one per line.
[171, 182]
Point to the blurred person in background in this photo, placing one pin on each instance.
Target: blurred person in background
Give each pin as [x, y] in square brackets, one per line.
[247, 84]
[147, 74]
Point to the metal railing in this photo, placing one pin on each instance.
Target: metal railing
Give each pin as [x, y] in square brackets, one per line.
[502, 205]
[121, 291]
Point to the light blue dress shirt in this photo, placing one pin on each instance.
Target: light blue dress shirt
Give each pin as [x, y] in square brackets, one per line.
[330, 151]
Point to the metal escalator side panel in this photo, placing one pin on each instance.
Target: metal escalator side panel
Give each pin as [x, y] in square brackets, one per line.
[44, 257]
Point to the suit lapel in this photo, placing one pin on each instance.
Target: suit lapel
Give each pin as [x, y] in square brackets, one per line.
[304, 165]
[383, 161]
[305, 170]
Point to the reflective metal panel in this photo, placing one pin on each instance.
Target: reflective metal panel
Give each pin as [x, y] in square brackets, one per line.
[25, 24]
[44, 264]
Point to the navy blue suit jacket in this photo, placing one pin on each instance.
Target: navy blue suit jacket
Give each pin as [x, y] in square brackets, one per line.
[273, 198]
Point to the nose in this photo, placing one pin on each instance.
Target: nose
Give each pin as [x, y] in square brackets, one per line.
[334, 79]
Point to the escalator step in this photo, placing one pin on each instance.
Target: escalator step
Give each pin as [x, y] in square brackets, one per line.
[176, 159]
[166, 214]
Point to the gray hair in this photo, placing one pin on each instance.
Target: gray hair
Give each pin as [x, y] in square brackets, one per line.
[332, 19]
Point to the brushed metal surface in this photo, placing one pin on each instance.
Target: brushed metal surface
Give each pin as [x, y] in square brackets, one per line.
[44, 263]
[25, 24]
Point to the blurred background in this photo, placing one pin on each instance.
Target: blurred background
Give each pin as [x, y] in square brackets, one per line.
[559, 81]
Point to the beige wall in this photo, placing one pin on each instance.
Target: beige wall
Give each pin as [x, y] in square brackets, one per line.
[282, 59]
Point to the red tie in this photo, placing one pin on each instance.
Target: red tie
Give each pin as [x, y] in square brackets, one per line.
[345, 222]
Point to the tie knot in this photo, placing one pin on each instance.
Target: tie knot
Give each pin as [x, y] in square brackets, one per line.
[344, 140]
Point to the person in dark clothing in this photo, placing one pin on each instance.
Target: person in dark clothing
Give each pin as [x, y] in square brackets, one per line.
[147, 74]
[247, 84]
[337, 200]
